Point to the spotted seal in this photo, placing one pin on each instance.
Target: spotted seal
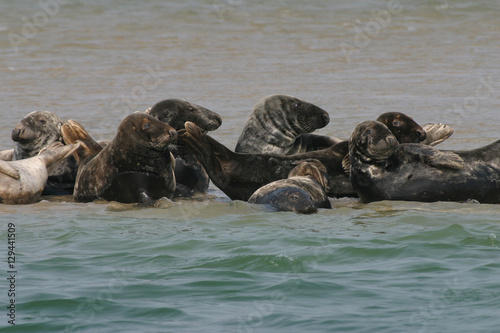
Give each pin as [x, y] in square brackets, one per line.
[135, 167]
[384, 169]
[35, 132]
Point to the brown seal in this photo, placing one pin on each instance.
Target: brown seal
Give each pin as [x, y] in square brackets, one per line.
[189, 174]
[239, 175]
[135, 167]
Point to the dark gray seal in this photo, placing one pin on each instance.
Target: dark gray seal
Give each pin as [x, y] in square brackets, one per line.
[189, 173]
[239, 175]
[303, 192]
[37, 131]
[384, 169]
[22, 181]
[279, 124]
[407, 130]
[135, 167]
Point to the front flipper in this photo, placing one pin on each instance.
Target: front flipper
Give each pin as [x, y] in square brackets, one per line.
[433, 157]
[9, 170]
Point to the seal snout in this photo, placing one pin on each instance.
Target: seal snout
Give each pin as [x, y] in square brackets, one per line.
[422, 135]
[173, 135]
[391, 140]
[326, 118]
[16, 134]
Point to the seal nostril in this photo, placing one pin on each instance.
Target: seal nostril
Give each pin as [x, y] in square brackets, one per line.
[173, 134]
[422, 135]
[16, 132]
[326, 118]
[391, 140]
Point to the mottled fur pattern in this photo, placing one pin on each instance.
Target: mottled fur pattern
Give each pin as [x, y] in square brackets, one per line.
[383, 169]
[278, 125]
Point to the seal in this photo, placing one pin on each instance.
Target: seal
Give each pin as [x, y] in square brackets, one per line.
[190, 175]
[22, 181]
[239, 175]
[303, 192]
[135, 167]
[406, 130]
[384, 169]
[35, 132]
[279, 124]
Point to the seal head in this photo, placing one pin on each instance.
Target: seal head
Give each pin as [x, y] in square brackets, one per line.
[276, 124]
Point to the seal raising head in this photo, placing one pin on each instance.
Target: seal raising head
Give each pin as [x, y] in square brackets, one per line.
[277, 123]
[372, 140]
[404, 128]
[34, 132]
[134, 167]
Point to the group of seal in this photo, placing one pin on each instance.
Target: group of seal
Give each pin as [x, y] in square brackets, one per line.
[278, 161]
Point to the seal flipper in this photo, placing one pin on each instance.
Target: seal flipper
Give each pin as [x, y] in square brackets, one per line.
[9, 170]
[72, 131]
[346, 164]
[436, 133]
[434, 157]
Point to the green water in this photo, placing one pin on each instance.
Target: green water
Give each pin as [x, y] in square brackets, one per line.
[212, 265]
[231, 267]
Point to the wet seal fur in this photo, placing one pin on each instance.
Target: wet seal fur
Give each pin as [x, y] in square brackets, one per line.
[189, 173]
[37, 131]
[384, 169]
[22, 181]
[279, 124]
[303, 192]
[239, 175]
[135, 167]
[406, 130]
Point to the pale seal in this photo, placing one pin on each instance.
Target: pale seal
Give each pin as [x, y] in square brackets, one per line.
[22, 181]
[35, 132]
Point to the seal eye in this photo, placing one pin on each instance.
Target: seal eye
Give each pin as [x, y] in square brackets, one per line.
[43, 121]
[368, 132]
[297, 105]
[145, 126]
[396, 123]
[294, 197]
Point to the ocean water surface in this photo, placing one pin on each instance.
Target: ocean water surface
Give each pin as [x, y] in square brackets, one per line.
[209, 264]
